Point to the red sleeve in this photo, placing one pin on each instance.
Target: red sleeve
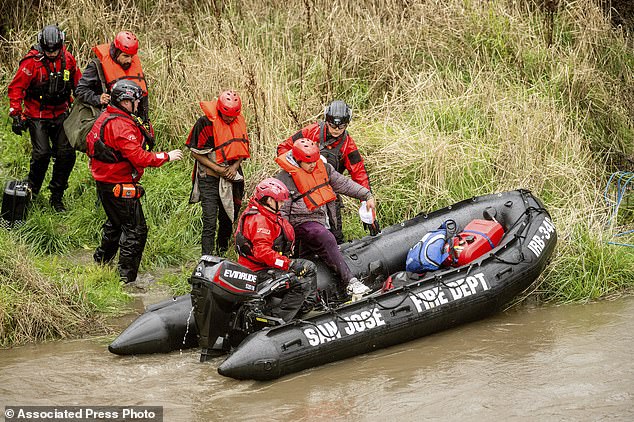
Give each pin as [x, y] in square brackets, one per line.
[127, 140]
[354, 163]
[201, 137]
[76, 71]
[261, 232]
[19, 84]
[287, 144]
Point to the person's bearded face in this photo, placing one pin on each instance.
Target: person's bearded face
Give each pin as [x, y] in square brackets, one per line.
[124, 60]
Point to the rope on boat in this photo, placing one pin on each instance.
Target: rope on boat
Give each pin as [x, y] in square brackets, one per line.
[615, 190]
[520, 237]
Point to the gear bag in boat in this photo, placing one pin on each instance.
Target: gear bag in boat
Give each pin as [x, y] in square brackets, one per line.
[431, 252]
[442, 248]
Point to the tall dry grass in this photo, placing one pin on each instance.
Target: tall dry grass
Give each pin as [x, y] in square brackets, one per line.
[451, 98]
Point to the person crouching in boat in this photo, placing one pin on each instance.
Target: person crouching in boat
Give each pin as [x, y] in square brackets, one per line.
[313, 186]
[265, 240]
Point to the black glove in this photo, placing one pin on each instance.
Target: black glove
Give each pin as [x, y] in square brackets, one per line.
[297, 267]
[18, 125]
[373, 228]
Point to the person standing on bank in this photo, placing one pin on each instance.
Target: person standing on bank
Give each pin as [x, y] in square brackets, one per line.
[265, 240]
[114, 61]
[45, 79]
[340, 151]
[219, 143]
[117, 161]
[312, 185]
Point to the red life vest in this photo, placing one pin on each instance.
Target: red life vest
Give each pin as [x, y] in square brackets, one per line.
[113, 71]
[313, 187]
[231, 141]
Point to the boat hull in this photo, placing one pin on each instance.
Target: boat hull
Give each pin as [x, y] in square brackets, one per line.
[162, 328]
[418, 307]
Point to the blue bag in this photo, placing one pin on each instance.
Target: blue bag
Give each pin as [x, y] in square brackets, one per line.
[429, 253]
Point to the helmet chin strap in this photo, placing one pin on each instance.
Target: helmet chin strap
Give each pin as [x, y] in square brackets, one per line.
[265, 203]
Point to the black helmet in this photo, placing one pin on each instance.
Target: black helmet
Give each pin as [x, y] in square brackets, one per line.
[338, 113]
[50, 39]
[125, 90]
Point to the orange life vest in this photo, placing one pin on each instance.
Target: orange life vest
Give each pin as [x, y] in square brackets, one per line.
[113, 71]
[231, 141]
[313, 187]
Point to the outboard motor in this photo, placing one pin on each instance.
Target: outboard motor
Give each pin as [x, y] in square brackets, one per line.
[219, 287]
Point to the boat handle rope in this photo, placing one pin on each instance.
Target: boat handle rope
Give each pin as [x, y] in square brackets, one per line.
[338, 317]
[527, 214]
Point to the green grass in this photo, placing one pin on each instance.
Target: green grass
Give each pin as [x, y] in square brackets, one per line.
[45, 299]
[587, 268]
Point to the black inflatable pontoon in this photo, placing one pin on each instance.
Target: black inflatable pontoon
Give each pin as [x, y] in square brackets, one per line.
[420, 306]
[170, 326]
[162, 328]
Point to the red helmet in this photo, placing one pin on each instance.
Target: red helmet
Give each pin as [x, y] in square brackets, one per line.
[273, 188]
[305, 150]
[229, 103]
[127, 42]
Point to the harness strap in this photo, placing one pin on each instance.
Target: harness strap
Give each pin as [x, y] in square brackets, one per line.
[481, 234]
[230, 141]
[309, 191]
[100, 75]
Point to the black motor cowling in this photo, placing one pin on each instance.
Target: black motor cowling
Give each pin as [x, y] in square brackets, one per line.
[218, 289]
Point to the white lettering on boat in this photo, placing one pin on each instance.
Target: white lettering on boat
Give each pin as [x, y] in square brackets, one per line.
[538, 242]
[322, 333]
[240, 275]
[355, 323]
[449, 292]
[363, 320]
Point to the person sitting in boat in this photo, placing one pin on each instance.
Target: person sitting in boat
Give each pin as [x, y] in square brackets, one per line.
[265, 240]
[314, 185]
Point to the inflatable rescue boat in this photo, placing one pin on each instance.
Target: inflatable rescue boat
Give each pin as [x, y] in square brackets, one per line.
[417, 305]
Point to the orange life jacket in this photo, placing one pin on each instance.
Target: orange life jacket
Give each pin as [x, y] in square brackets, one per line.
[231, 141]
[313, 187]
[113, 71]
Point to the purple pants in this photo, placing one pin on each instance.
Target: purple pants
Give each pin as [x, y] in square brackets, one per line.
[315, 239]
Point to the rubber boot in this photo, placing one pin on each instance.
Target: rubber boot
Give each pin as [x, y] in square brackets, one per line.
[56, 202]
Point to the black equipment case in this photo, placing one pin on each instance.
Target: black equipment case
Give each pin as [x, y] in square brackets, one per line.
[15, 202]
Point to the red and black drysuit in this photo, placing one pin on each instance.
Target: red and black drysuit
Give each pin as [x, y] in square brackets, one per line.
[45, 86]
[264, 241]
[118, 159]
[341, 153]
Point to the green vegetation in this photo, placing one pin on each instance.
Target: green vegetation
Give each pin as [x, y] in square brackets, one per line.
[451, 99]
[50, 299]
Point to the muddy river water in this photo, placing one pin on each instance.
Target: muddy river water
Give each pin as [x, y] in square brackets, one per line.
[564, 363]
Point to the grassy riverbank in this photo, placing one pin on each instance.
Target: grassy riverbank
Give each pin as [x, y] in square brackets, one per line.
[451, 99]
